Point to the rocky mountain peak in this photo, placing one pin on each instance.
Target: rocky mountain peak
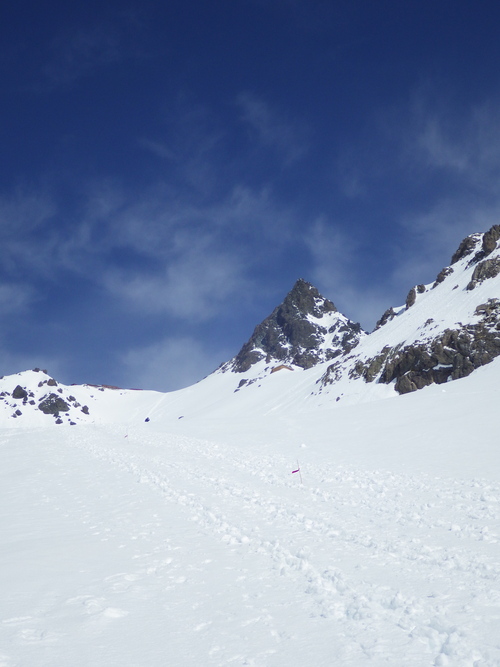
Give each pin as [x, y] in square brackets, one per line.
[304, 330]
[305, 299]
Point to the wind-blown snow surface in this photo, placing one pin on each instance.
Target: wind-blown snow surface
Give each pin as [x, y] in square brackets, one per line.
[190, 542]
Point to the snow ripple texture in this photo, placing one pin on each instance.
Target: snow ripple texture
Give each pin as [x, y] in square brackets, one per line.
[152, 549]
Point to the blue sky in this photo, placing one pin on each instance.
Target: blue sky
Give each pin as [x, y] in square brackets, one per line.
[171, 168]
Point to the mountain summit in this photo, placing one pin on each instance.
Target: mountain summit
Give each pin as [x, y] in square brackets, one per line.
[444, 331]
[304, 330]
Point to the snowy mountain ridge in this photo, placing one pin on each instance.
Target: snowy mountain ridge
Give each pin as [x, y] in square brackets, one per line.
[308, 354]
[445, 330]
[303, 331]
[287, 522]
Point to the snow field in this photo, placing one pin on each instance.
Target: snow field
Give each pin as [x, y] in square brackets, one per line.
[169, 549]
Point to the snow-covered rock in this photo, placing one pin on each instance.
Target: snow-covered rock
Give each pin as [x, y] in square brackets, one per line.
[445, 330]
[303, 331]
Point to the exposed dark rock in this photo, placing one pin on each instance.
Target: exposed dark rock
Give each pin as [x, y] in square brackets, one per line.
[444, 273]
[453, 355]
[18, 413]
[488, 268]
[85, 410]
[466, 247]
[291, 336]
[412, 295]
[490, 239]
[370, 369]
[389, 315]
[489, 244]
[19, 392]
[51, 382]
[486, 309]
[411, 298]
[52, 405]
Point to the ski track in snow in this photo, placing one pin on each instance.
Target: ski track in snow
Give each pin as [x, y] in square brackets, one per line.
[339, 545]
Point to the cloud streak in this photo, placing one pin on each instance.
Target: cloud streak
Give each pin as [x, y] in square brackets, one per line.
[171, 363]
[270, 129]
[338, 274]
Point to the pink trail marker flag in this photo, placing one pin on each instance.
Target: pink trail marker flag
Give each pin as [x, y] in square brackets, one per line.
[298, 470]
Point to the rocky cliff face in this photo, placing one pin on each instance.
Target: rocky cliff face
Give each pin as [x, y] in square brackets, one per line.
[304, 330]
[433, 348]
[443, 331]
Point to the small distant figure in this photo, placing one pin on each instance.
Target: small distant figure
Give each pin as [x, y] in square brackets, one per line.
[147, 419]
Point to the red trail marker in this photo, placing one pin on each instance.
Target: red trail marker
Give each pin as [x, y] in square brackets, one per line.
[298, 470]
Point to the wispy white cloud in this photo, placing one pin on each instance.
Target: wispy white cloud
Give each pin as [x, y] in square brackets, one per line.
[194, 286]
[77, 53]
[24, 247]
[24, 211]
[15, 298]
[160, 253]
[271, 129]
[80, 50]
[336, 271]
[170, 364]
[460, 149]
[443, 161]
[436, 235]
[464, 142]
[14, 362]
[192, 141]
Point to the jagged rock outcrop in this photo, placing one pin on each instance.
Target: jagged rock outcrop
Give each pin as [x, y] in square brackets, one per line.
[442, 275]
[412, 295]
[19, 392]
[488, 243]
[466, 247]
[303, 331]
[452, 352]
[53, 405]
[453, 355]
[488, 268]
[389, 315]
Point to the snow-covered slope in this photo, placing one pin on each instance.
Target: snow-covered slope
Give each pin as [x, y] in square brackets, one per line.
[34, 398]
[307, 355]
[192, 542]
[309, 516]
[445, 331]
[303, 331]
